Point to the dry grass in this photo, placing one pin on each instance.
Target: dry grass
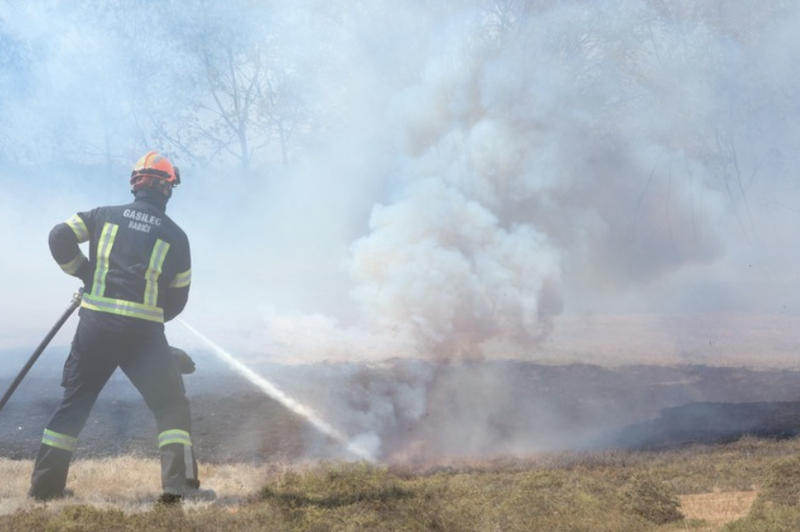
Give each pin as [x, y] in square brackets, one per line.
[717, 509]
[747, 486]
[126, 483]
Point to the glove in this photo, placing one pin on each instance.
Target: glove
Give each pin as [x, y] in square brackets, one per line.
[185, 363]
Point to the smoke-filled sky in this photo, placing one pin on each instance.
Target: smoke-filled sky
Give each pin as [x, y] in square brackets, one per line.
[480, 168]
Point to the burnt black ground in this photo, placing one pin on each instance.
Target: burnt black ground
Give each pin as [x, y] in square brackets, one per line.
[711, 423]
[630, 407]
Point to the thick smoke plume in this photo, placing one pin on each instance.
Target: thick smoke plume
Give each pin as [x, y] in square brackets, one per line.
[528, 161]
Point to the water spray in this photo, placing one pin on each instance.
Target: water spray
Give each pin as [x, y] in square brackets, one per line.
[279, 395]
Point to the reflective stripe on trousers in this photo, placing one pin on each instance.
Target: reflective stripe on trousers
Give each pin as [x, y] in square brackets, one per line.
[179, 467]
[59, 441]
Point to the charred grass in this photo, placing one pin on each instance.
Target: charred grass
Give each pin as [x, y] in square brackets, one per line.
[747, 486]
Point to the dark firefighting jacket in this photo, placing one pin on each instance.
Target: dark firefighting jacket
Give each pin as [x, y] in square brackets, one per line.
[139, 264]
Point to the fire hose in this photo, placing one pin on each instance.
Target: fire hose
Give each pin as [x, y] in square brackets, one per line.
[75, 303]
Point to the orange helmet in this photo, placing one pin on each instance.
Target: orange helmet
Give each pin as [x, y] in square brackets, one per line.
[154, 170]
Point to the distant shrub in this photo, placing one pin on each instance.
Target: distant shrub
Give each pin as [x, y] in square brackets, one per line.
[782, 485]
[652, 500]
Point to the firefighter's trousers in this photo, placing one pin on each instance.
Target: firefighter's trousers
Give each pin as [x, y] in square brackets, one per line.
[143, 355]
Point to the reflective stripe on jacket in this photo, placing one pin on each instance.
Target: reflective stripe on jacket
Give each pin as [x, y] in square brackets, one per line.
[139, 263]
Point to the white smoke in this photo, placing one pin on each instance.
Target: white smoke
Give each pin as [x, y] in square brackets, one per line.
[551, 155]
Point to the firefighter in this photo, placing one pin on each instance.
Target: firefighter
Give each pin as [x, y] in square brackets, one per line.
[136, 278]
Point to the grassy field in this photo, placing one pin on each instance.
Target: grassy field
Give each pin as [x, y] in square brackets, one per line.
[747, 486]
